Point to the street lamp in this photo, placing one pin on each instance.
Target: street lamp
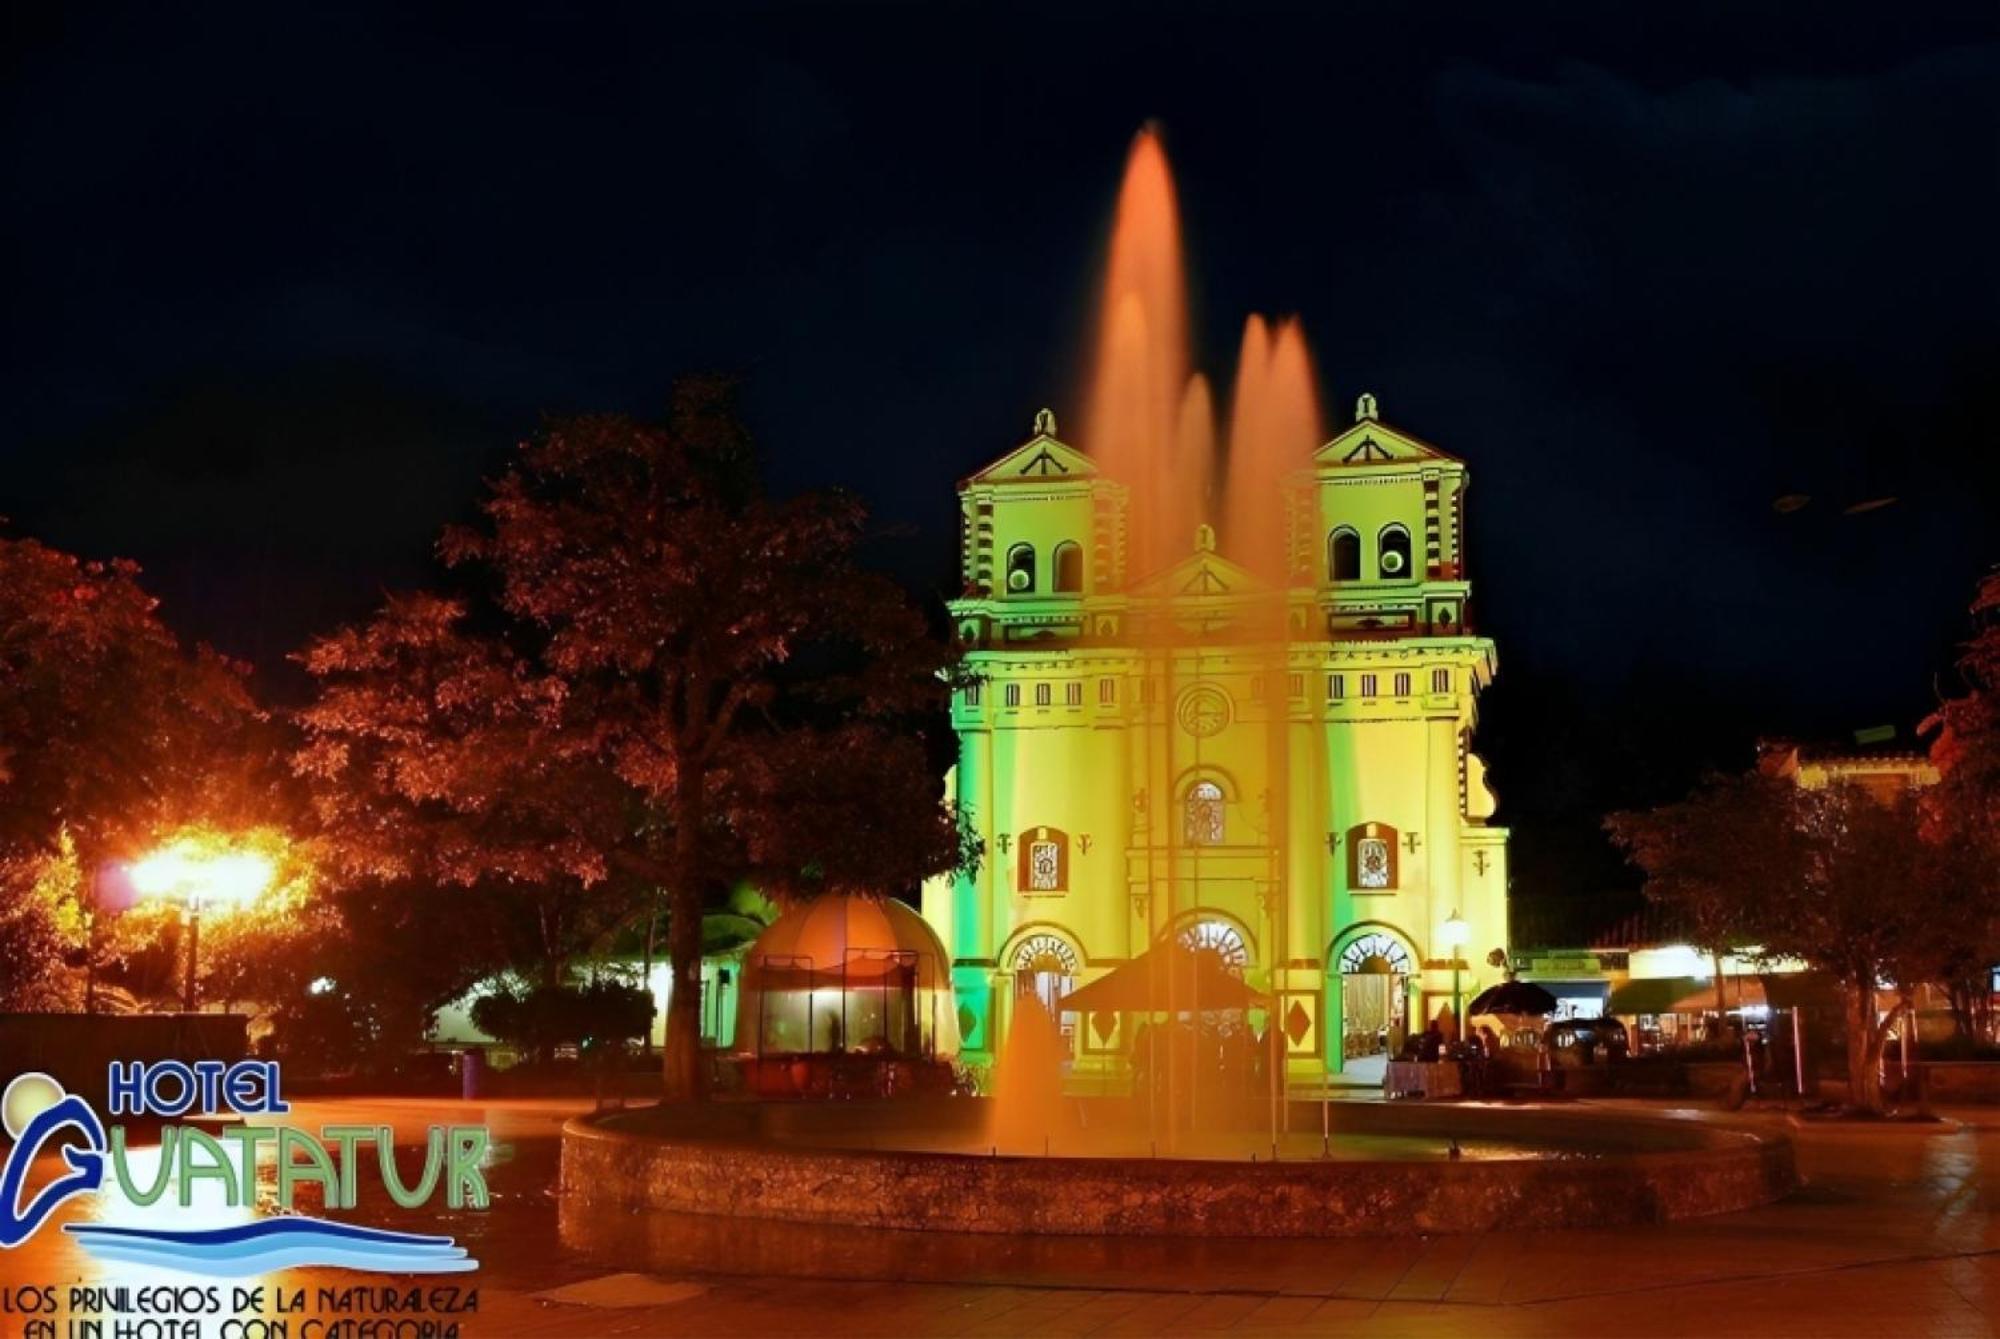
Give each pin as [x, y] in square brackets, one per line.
[1455, 934]
[184, 873]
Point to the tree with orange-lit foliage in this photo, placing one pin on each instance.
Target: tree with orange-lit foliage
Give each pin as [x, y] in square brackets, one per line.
[1966, 727]
[1963, 810]
[1841, 877]
[674, 683]
[111, 732]
[440, 756]
[1873, 903]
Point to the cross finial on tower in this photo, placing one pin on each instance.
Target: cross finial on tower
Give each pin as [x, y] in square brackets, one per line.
[1364, 409]
[1045, 423]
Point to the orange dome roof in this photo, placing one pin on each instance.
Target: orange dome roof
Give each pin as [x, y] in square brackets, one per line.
[836, 930]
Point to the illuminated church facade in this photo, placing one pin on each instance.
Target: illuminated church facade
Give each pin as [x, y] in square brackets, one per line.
[1283, 777]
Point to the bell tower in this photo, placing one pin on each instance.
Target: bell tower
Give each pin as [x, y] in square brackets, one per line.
[1040, 530]
[1390, 523]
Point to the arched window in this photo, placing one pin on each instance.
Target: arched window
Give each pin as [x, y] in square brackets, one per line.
[1021, 569]
[1045, 954]
[1202, 815]
[1375, 954]
[1393, 553]
[1220, 938]
[1343, 555]
[1069, 568]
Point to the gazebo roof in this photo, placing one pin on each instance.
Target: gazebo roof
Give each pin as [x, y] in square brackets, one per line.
[843, 936]
[1162, 978]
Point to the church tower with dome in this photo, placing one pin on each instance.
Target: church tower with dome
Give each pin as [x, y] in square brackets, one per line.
[1283, 778]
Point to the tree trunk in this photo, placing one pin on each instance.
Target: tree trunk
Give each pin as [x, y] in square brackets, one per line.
[1960, 999]
[681, 1077]
[646, 972]
[90, 963]
[1864, 1087]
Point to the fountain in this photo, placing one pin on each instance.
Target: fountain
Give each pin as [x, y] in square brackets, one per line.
[1029, 1114]
[1141, 398]
[1204, 1141]
[1151, 423]
[1150, 417]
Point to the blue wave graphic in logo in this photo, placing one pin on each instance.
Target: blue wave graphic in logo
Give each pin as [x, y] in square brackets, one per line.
[273, 1243]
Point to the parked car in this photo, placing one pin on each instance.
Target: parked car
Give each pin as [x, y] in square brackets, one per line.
[1584, 1041]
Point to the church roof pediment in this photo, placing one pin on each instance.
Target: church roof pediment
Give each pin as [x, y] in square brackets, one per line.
[1372, 442]
[1041, 459]
[1202, 573]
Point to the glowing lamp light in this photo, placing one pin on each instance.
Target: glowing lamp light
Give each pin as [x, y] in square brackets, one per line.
[162, 872]
[200, 880]
[186, 874]
[1456, 931]
[238, 878]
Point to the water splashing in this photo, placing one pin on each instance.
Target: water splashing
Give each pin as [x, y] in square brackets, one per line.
[1150, 420]
[1140, 378]
[1028, 1107]
[1190, 467]
[1274, 426]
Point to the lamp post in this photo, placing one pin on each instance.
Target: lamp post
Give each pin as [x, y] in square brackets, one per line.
[185, 874]
[1455, 934]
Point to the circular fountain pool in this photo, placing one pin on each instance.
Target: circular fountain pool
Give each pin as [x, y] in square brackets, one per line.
[920, 1165]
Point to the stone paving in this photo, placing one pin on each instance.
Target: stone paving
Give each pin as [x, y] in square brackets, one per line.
[1895, 1232]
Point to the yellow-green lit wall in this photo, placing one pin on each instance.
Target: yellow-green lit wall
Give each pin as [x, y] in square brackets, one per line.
[1111, 770]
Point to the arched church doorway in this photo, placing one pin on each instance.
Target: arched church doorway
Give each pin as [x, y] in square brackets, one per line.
[1045, 967]
[1375, 970]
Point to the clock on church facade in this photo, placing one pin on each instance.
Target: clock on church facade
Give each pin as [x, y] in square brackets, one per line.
[1146, 758]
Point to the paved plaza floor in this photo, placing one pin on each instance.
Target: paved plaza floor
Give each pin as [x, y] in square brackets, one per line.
[1894, 1233]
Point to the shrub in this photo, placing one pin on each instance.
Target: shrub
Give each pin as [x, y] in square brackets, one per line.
[601, 1014]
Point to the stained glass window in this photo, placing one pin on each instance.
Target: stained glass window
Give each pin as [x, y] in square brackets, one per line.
[1375, 953]
[1219, 938]
[1371, 859]
[1042, 861]
[1045, 953]
[1044, 866]
[1202, 817]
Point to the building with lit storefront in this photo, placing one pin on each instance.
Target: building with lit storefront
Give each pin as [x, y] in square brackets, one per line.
[1665, 989]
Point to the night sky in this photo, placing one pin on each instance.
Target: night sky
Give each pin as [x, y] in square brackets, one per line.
[287, 279]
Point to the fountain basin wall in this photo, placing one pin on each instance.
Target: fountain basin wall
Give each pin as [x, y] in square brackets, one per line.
[736, 1161]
